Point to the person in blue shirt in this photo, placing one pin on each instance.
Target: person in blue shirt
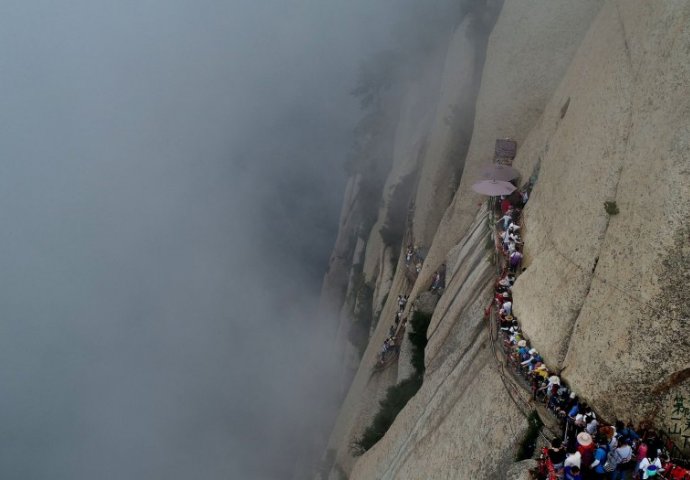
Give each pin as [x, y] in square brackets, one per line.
[572, 473]
[600, 454]
[626, 432]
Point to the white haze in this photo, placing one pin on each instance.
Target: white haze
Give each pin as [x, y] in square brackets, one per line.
[170, 181]
[170, 184]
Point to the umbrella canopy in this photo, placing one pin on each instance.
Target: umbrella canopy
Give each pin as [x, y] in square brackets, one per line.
[497, 171]
[494, 188]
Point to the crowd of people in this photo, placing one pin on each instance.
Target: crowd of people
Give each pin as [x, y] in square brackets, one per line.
[391, 345]
[414, 258]
[589, 447]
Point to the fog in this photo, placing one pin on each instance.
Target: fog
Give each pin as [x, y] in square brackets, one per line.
[170, 184]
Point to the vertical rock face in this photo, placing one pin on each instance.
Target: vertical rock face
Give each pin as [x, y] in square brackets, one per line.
[411, 137]
[529, 50]
[450, 132]
[603, 293]
[582, 156]
[598, 96]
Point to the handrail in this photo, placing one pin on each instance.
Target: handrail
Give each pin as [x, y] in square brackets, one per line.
[676, 453]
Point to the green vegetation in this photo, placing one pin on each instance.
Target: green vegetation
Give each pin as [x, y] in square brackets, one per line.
[396, 398]
[611, 208]
[394, 263]
[378, 317]
[394, 225]
[529, 441]
[376, 75]
[363, 314]
[420, 324]
[398, 395]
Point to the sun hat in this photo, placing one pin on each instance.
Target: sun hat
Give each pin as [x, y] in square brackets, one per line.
[509, 317]
[522, 343]
[584, 439]
[532, 351]
[554, 379]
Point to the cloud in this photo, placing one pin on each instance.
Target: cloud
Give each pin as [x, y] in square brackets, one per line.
[170, 189]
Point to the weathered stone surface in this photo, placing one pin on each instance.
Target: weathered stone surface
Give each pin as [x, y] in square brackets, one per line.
[582, 155]
[461, 424]
[416, 117]
[596, 296]
[450, 132]
[336, 278]
[521, 470]
[529, 50]
[426, 302]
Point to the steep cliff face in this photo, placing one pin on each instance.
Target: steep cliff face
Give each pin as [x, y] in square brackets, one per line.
[602, 294]
[597, 94]
[529, 50]
[451, 130]
[461, 424]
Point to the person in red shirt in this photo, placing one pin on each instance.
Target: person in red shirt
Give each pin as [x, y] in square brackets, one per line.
[505, 205]
[585, 446]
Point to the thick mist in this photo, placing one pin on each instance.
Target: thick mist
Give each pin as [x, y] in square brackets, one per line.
[170, 183]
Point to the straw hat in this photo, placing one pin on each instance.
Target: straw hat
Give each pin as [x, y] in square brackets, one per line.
[522, 343]
[584, 439]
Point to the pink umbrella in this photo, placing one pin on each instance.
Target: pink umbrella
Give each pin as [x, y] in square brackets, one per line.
[499, 172]
[494, 188]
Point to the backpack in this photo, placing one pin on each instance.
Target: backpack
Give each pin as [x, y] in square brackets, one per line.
[611, 461]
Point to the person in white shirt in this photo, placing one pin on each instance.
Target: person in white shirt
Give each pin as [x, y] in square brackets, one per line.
[650, 466]
[573, 460]
[506, 219]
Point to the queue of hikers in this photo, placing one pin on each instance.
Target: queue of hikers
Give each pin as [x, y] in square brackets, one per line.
[391, 345]
[588, 448]
[414, 257]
